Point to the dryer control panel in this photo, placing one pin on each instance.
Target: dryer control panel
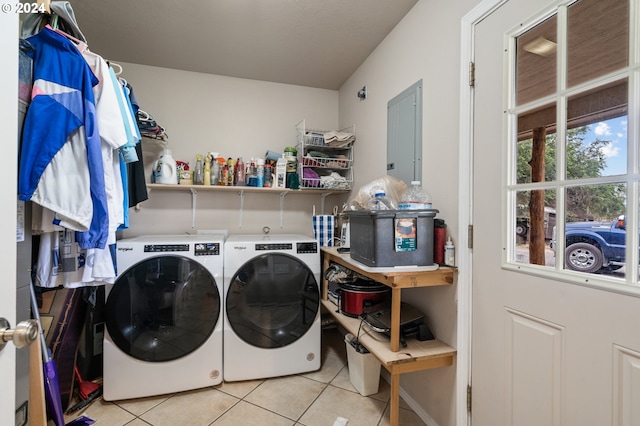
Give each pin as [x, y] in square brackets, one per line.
[274, 246]
[301, 248]
[307, 247]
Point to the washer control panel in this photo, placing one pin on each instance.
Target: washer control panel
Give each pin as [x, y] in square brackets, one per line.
[206, 249]
[162, 248]
[199, 249]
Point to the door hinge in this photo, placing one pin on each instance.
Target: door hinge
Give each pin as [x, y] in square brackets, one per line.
[470, 236]
[469, 398]
[472, 74]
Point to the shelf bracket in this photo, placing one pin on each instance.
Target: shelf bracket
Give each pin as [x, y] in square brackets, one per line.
[282, 195]
[241, 195]
[194, 198]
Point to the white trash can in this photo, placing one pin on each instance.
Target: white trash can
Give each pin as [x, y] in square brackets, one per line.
[364, 368]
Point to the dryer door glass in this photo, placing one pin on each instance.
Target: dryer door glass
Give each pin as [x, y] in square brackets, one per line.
[272, 301]
[163, 308]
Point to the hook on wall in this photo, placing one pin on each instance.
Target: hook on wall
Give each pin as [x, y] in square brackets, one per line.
[362, 93]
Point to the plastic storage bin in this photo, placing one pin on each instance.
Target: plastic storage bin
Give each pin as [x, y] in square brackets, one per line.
[392, 237]
[364, 368]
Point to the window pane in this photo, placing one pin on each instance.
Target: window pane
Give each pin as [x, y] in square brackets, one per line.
[597, 133]
[544, 167]
[597, 38]
[595, 240]
[536, 62]
[535, 222]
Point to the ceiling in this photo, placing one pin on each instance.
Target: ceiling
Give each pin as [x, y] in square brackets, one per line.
[315, 43]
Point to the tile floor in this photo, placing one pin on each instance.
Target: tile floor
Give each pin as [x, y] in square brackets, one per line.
[311, 399]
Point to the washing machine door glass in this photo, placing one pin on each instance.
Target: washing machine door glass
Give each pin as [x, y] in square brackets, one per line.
[272, 300]
[162, 308]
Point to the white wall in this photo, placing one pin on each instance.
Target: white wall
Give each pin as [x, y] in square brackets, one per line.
[425, 45]
[235, 117]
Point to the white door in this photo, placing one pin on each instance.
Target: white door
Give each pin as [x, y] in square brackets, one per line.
[9, 136]
[544, 351]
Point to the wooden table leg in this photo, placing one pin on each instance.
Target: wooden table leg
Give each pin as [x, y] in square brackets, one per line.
[394, 412]
[395, 319]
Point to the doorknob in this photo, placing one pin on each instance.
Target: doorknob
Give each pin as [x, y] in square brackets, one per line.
[25, 333]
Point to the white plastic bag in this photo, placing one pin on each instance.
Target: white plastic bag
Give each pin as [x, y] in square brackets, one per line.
[393, 188]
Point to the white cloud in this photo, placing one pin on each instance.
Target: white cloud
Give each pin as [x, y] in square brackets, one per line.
[602, 129]
[609, 150]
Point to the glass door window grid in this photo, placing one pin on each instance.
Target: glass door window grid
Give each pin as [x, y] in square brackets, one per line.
[571, 83]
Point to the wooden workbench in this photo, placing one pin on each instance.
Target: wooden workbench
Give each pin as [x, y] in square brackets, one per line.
[418, 355]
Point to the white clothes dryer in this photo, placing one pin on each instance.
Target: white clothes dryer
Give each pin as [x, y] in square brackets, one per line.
[272, 306]
[163, 316]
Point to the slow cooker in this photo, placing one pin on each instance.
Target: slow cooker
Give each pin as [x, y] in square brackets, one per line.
[361, 296]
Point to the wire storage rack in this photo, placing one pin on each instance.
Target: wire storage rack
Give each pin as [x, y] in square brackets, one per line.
[325, 157]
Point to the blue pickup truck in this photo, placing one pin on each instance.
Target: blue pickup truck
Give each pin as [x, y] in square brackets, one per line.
[592, 246]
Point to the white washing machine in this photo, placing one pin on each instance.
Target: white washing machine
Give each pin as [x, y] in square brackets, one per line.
[271, 306]
[163, 316]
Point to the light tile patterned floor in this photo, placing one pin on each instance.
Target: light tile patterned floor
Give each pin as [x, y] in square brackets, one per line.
[311, 399]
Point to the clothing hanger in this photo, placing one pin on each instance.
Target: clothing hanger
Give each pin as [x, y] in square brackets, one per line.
[115, 66]
[62, 33]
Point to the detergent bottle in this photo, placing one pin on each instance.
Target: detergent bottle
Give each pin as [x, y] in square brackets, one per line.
[164, 169]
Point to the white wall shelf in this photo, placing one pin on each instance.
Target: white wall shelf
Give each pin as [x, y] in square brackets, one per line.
[240, 191]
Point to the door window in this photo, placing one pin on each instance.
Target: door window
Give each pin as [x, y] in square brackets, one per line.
[571, 177]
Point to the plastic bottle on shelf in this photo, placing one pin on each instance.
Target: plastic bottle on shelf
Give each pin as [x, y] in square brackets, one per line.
[215, 171]
[260, 173]
[207, 170]
[165, 169]
[381, 202]
[280, 180]
[449, 253]
[240, 172]
[267, 175]
[231, 175]
[224, 174]
[198, 173]
[250, 175]
[415, 197]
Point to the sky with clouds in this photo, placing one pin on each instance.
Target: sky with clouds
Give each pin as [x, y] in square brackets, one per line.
[615, 131]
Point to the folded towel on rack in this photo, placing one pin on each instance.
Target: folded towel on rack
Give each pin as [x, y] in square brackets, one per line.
[334, 181]
[338, 139]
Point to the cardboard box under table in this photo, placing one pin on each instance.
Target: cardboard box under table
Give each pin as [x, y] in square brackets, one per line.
[392, 237]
